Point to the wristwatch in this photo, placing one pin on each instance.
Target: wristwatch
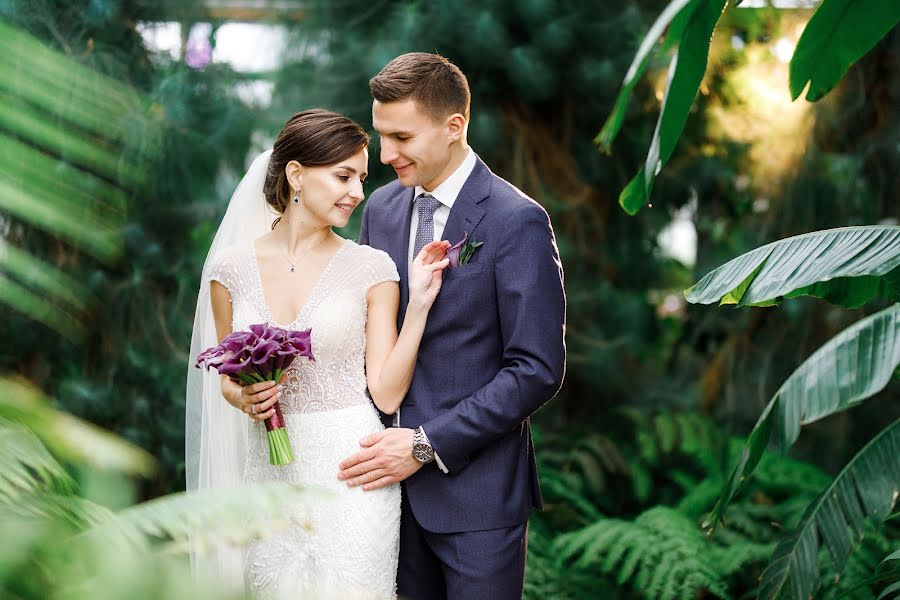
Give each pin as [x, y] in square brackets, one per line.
[422, 450]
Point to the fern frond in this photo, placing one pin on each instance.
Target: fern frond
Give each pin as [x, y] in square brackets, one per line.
[565, 489]
[861, 576]
[662, 554]
[690, 434]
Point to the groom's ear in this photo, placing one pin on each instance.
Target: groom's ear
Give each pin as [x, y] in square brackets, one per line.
[456, 127]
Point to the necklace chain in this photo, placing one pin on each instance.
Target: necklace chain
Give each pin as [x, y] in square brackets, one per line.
[293, 263]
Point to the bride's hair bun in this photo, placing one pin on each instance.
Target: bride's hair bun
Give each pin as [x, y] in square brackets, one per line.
[314, 138]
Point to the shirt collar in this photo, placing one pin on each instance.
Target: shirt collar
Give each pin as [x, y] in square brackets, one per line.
[449, 189]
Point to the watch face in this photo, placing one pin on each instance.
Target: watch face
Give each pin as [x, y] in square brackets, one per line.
[422, 452]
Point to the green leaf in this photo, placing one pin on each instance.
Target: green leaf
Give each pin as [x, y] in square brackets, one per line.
[68, 436]
[686, 71]
[852, 366]
[93, 114]
[202, 519]
[26, 468]
[838, 34]
[848, 266]
[865, 490]
[737, 294]
[661, 555]
[895, 555]
[891, 591]
[676, 13]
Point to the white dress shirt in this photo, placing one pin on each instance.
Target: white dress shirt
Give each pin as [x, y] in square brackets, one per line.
[446, 194]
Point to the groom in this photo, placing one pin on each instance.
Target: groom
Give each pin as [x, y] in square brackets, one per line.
[492, 353]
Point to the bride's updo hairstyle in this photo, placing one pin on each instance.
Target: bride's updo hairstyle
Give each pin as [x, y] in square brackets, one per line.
[314, 138]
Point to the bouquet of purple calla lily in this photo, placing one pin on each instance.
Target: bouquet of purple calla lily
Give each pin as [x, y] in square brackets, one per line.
[261, 354]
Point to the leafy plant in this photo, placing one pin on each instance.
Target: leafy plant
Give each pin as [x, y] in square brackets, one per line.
[575, 553]
[661, 554]
[60, 543]
[864, 356]
[849, 266]
[852, 366]
[837, 35]
[865, 490]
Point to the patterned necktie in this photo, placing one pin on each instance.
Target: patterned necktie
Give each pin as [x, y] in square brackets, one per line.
[426, 205]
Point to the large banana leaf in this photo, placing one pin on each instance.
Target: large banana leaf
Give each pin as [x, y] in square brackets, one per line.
[847, 266]
[852, 366]
[865, 490]
[838, 34]
[884, 574]
[686, 71]
[67, 436]
[676, 14]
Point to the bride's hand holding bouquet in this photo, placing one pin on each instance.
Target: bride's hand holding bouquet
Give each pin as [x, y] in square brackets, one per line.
[258, 359]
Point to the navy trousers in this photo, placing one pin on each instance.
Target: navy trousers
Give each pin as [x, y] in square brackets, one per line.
[487, 565]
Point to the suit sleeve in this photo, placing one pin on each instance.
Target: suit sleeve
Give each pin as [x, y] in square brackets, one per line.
[364, 224]
[532, 312]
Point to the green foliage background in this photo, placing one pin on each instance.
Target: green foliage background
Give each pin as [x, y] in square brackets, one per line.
[634, 450]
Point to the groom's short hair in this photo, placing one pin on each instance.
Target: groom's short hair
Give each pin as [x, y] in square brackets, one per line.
[436, 85]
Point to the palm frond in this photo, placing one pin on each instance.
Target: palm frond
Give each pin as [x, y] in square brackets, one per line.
[848, 266]
[865, 490]
[26, 468]
[201, 520]
[852, 366]
[67, 436]
[53, 509]
[69, 158]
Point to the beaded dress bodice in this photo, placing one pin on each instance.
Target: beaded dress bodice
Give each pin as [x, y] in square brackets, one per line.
[336, 312]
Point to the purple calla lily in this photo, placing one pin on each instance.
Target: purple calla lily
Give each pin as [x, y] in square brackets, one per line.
[454, 250]
[264, 351]
[236, 365]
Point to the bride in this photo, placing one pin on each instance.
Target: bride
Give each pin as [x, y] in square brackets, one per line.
[276, 259]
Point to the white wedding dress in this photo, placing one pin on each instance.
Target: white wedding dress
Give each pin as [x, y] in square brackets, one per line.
[346, 544]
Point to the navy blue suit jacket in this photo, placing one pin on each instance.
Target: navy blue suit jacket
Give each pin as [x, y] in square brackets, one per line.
[493, 351]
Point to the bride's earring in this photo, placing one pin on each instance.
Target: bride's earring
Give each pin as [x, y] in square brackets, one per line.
[297, 197]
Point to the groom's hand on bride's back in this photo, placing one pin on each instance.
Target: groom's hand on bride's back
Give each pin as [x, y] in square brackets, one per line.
[386, 458]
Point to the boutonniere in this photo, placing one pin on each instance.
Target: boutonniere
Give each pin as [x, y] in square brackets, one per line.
[462, 251]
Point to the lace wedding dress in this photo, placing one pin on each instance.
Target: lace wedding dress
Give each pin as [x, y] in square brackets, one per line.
[344, 544]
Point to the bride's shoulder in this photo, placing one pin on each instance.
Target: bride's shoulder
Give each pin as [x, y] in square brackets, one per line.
[231, 254]
[376, 263]
[228, 261]
[368, 254]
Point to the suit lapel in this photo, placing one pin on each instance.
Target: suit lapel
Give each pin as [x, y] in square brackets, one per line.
[399, 223]
[466, 213]
[464, 217]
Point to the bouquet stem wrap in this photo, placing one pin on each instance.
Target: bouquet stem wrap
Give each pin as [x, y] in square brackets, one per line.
[280, 451]
[261, 354]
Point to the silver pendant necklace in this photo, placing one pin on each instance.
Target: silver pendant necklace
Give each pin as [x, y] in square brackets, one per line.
[293, 263]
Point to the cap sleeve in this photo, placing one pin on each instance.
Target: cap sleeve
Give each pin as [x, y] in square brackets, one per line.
[223, 269]
[380, 268]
